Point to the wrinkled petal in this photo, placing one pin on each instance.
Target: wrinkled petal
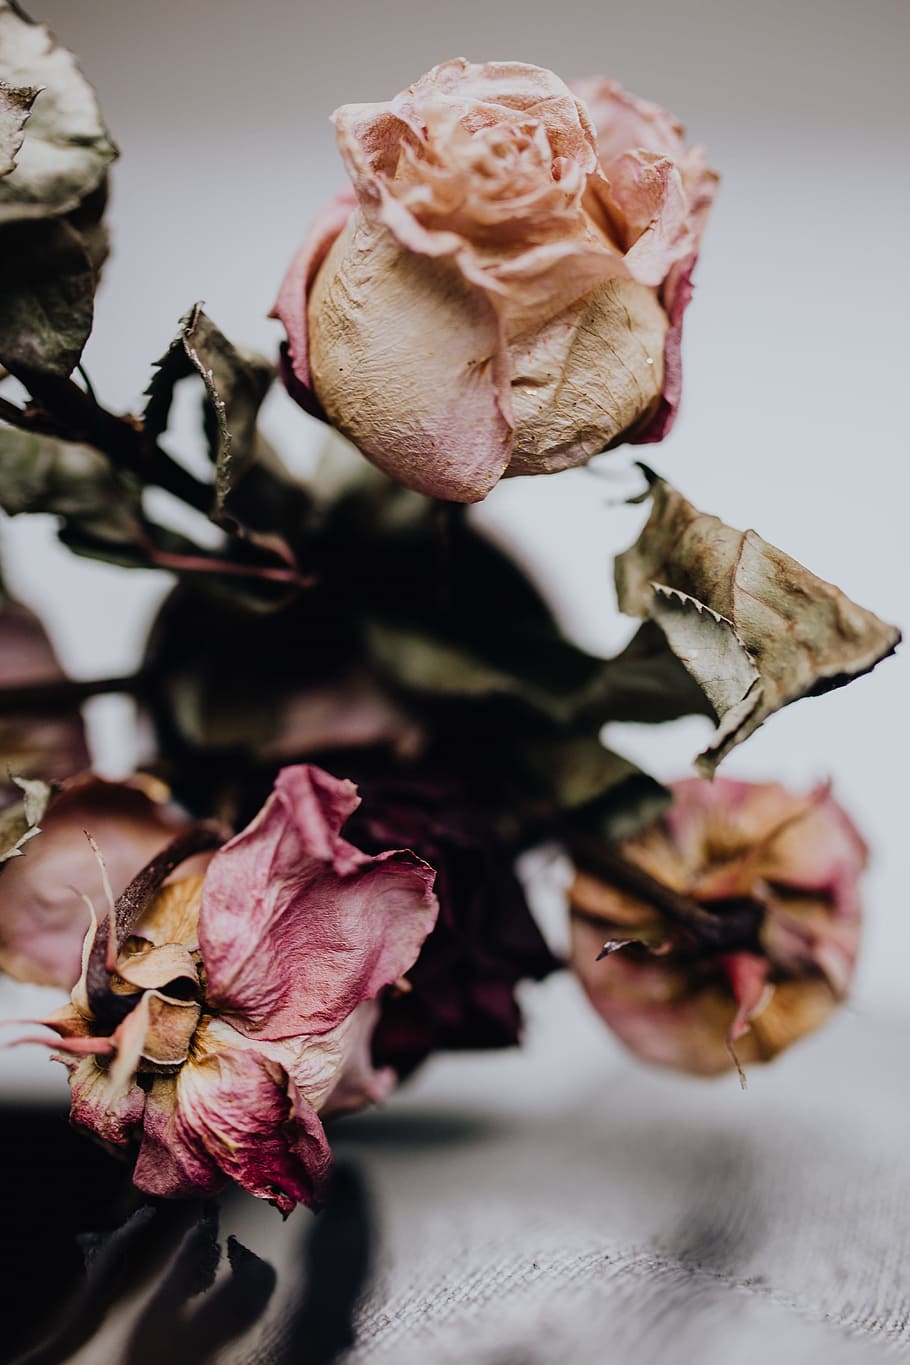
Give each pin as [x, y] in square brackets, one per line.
[791, 860]
[488, 209]
[428, 400]
[623, 120]
[102, 1108]
[170, 1029]
[648, 197]
[173, 916]
[297, 926]
[172, 1162]
[359, 1083]
[43, 916]
[232, 1114]
[565, 408]
[156, 968]
[291, 305]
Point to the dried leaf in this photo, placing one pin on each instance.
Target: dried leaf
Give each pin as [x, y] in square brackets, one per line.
[15, 106]
[73, 482]
[590, 786]
[646, 683]
[21, 822]
[753, 627]
[66, 149]
[535, 668]
[47, 290]
[235, 384]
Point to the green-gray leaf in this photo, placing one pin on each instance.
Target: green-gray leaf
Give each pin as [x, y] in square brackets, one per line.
[67, 149]
[74, 482]
[47, 287]
[594, 789]
[235, 383]
[753, 627]
[21, 822]
[15, 106]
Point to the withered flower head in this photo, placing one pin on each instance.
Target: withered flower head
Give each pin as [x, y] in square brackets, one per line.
[726, 931]
[502, 289]
[232, 1007]
[462, 988]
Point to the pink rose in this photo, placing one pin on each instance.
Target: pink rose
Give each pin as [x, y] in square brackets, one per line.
[501, 291]
[43, 916]
[776, 878]
[236, 1005]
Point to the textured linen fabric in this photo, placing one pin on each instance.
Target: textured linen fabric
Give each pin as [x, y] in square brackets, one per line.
[567, 1204]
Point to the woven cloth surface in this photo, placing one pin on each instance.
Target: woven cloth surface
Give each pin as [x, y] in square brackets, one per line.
[566, 1204]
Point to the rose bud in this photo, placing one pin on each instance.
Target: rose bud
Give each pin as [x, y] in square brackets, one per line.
[727, 930]
[229, 1009]
[502, 289]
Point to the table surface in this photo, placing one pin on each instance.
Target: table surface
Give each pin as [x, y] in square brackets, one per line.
[567, 1204]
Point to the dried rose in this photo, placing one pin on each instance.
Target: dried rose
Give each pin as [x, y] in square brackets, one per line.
[502, 291]
[239, 1002]
[43, 914]
[726, 931]
[461, 989]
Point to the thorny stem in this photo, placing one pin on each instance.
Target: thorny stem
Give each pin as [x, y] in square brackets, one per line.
[76, 412]
[64, 410]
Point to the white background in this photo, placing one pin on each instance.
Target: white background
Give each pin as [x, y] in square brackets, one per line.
[795, 404]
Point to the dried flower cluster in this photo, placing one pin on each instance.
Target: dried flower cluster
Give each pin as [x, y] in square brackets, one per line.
[247, 946]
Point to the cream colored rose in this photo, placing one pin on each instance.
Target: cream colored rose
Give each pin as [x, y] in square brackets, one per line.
[502, 291]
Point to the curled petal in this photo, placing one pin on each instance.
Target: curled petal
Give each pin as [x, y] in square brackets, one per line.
[297, 926]
[649, 200]
[101, 1107]
[172, 1162]
[170, 1029]
[623, 120]
[291, 305]
[173, 916]
[359, 1083]
[235, 1114]
[157, 968]
[431, 403]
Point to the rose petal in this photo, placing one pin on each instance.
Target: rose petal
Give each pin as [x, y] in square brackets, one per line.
[439, 411]
[359, 1083]
[297, 926]
[43, 917]
[173, 916]
[103, 1108]
[747, 974]
[154, 969]
[172, 1162]
[236, 1114]
[564, 406]
[170, 1029]
[291, 304]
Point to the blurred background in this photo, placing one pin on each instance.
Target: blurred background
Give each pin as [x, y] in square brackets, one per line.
[795, 353]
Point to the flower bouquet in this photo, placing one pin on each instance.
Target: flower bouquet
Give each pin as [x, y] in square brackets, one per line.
[361, 711]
